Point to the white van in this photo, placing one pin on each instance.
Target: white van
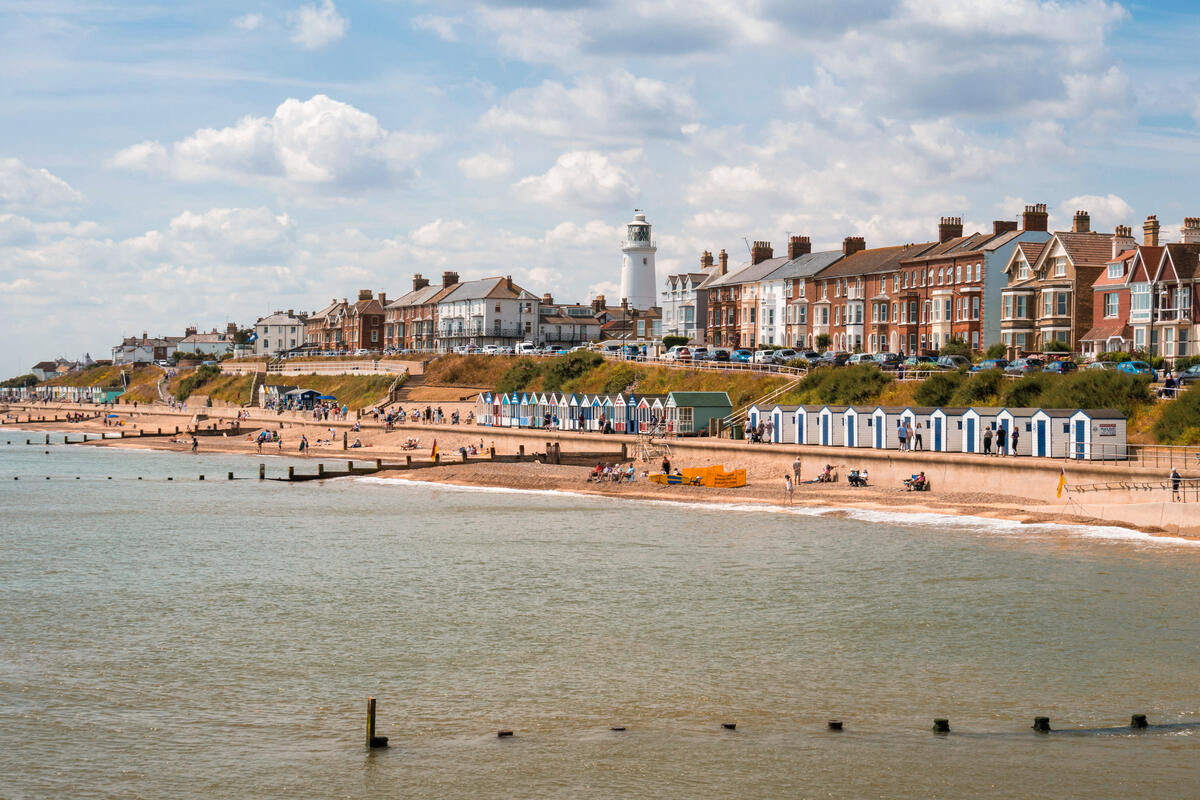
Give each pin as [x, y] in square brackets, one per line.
[526, 349]
[489, 350]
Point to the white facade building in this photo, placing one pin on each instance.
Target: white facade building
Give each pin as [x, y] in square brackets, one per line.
[491, 311]
[637, 264]
[278, 333]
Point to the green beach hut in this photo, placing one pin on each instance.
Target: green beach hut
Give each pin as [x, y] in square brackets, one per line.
[690, 412]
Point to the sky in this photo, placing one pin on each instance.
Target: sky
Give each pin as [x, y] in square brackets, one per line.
[174, 164]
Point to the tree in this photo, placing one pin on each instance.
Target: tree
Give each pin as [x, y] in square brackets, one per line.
[823, 341]
[997, 350]
[674, 341]
[1055, 346]
[19, 382]
[955, 347]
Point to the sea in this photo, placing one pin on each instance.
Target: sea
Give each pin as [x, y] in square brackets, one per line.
[167, 637]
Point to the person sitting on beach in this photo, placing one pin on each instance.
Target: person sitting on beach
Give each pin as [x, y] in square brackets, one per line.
[630, 473]
[916, 483]
[357, 443]
[594, 475]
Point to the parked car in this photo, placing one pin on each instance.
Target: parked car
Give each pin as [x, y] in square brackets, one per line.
[1024, 366]
[1189, 375]
[861, 358]
[489, 349]
[1060, 367]
[953, 362]
[888, 360]
[808, 355]
[1137, 368]
[920, 362]
[831, 359]
[764, 356]
[785, 355]
[700, 354]
[678, 353]
[632, 352]
[1109, 365]
[719, 354]
[743, 356]
[990, 363]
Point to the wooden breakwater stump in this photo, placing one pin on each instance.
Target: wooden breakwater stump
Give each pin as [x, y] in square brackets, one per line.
[262, 472]
[1041, 724]
[941, 726]
[291, 473]
[504, 734]
[230, 476]
[618, 728]
[1138, 722]
[373, 740]
[729, 726]
[320, 469]
[834, 725]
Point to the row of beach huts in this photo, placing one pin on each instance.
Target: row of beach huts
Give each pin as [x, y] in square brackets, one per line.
[681, 413]
[1098, 434]
[1090, 434]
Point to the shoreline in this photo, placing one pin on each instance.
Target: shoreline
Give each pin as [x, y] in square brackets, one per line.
[765, 488]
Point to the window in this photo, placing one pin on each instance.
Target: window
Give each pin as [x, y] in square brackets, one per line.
[497, 308]
[975, 307]
[803, 315]
[1183, 342]
[1007, 314]
[1111, 304]
[374, 336]
[958, 274]
[978, 271]
[948, 309]
[1022, 269]
[1183, 299]
[1139, 339]
[1116, 269]
[753, 314]
[802, 288]
[1047, 303]
[1168, 341]
[896, 282]
[941, 276]
[1062, 303]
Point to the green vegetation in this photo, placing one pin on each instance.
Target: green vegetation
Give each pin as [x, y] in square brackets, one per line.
[674, 341]
[955, 347]
[1056, 346]
[844, 386]
[19, 382]
[1180, 419]
[194, 381]
[823, 341]
[939, 388]
[997, 350]
[1183, 362]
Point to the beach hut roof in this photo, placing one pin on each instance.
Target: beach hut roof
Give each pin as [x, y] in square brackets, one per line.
[985, 411]
[921, 409]
[1101, 413]
[1021, 412]
[812, 408]
[1055, 412]
[700, 399]
[781, 407]
[835, 409]
[951, 411]
[863, 409]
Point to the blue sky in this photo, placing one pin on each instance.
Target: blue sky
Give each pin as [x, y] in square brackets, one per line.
[174, 164]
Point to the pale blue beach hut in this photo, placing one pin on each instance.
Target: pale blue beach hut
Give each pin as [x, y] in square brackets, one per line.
[855, 430]
[918, 418]
[946, 430]
[1020, 420]
[1098, 434]
[1051, 432]
[784, 419]
[829, 421]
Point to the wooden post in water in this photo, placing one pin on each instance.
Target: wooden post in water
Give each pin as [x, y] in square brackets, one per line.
[230, 476]
[1041, 724]
[262, 472]
[379, 463]
[941, 726]
[492, 453]
[372, 739]
[407, 462]
[291, 473]
[320, 469]
[349, 466]
[47, 438]
[521, 451]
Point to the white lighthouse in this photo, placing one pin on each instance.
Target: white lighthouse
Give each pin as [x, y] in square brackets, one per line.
[637, 264]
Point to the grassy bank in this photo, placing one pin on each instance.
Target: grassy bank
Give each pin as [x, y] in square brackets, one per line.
[142, 381]
[355, 391]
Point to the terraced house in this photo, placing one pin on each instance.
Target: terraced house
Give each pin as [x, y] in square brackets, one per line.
[1164, 292]
[410, 322]
[1049, 295]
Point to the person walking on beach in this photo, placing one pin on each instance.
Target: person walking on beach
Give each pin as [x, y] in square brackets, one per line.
[1001, 441]
[1012, 441]
[796, 470]
[788, 488]
[987, 442]
[902, 434]
[303, 443]
[918, 443]
[666, 466]
[1175, 481]
[195, 444]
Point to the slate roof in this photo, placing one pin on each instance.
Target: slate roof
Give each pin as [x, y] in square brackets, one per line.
[487, 289]
[1086, 249]
[805, 266]
[747, 273]
[419, 297]
[1103, 331]
[877, 259]
[1186, 258]
[281, 318]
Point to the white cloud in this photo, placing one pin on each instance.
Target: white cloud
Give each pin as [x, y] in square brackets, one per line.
[249, 22]
[440, 233]
[25, 188]
[615, 105]
[316, 26]
[579, 177]
[484, 166]
[319, 144]
[443, 27]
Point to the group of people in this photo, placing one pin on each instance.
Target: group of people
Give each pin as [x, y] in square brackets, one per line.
[764, 431]
[910, 438]
[1006, 442]
[615, 473]
[917, 483]
[265, 436]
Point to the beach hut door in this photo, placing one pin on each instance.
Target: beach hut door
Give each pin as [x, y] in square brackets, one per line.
[937, 435]
[1080, 432]
[879, 433]
[970, 435]
[825, 429]
[851, 424]
[1041, 437]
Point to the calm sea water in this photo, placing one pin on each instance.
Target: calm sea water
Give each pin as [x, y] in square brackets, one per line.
[187, 639]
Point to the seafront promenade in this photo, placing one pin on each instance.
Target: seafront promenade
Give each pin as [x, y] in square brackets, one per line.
[1030, 482]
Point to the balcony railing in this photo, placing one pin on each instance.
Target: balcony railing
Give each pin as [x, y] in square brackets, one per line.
[1172, 314]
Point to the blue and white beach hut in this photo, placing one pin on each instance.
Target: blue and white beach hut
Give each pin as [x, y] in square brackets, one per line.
[885, 421]
[564, 411]
[1020, 420]
[658, 410]
[829, 423]
[784, 419]
[523, 411]
[610, 411]
[1051, 432]
[755, 415]
[808, 424]
[856, 428]
[597, 412]
[918, 418]
[945, 430]
[1098, 434]
[583, 415]
[975, 422]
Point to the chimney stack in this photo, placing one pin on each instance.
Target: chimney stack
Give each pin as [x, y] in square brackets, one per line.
[191, 331]
[723, 258]
[1190, 234]
[419, 283]
[291, 312]
[231, 328]
[1150, 231]
[799, 246]
[507, 281]
[1035, 218]
[1003, 226]
[853, 244]
[761, 252]
[949, 228]
[364, 294]
[1083, 222]
[547, 299]
[706, 261]
[598, 304]
[1122, 240]
[451, 278]
[383, 298]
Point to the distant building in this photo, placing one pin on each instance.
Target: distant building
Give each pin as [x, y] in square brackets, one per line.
[209, 344]
[410, 322]
[145, 350]
[682, 306]
[491, 311]
[279, 333]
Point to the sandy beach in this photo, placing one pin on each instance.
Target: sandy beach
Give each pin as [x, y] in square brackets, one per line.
[326, 442]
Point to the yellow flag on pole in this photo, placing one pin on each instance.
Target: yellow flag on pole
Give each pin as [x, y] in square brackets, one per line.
[434, 453]
[1062, 480]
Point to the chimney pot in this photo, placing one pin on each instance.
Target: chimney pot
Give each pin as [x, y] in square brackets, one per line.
[364, 294]
[1190, 234]
[949, 228]
[1035, 218]
[761, 252]
[706, 260]
[450, 278]
[723, 257]
[1150, 230]
[799, 246]
[547, 299]
[853, 244]
[1082, 223]
[419, 282]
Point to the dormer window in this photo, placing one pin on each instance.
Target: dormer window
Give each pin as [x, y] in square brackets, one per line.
[1060, 266]
[1116, 269]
